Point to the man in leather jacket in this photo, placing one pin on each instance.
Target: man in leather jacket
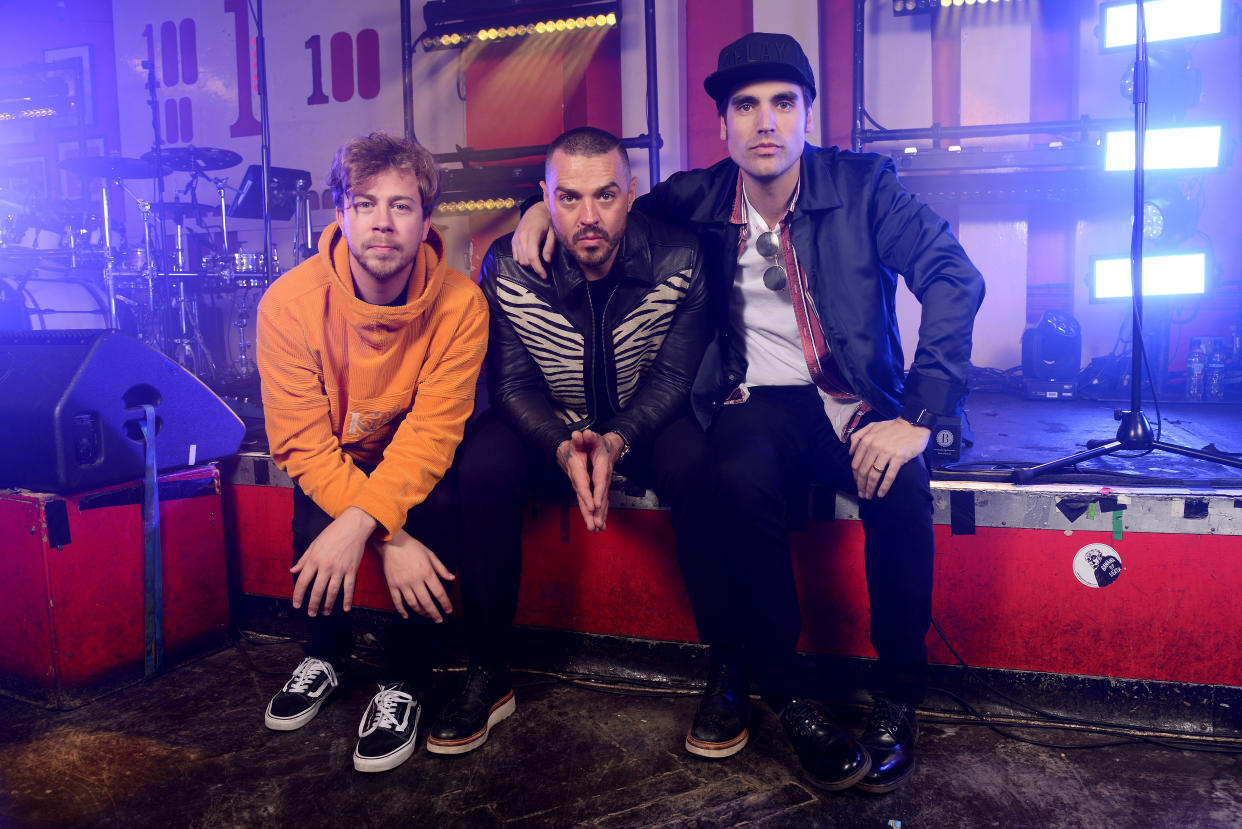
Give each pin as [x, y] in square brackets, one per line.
[587, 371]
[803, 249]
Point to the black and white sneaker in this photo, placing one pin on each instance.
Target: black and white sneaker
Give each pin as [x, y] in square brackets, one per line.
[388, 729]
[299, 701]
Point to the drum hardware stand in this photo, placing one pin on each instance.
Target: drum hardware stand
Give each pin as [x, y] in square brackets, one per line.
[192, 352]
[109, 258]
[156, 147]
[302, 228]
[152, 332]
[244, 367]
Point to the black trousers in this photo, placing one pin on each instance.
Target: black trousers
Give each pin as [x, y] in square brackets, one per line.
[413, 646]
[497, 472]
[743, 592]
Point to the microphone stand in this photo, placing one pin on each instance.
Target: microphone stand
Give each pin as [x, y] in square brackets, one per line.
[1135, 432]
[265, 141]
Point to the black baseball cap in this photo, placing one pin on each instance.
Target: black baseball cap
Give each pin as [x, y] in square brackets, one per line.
[759, 56]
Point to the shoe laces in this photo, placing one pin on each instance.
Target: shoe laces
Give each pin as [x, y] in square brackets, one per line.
[802, 716]
[887, 715]
[307, 674]
[478, 679]
[383, 710]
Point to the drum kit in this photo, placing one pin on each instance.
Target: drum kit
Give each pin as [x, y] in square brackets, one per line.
[69, 263]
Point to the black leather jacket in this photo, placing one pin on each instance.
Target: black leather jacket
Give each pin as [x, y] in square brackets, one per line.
[854, 228]
[540, 356]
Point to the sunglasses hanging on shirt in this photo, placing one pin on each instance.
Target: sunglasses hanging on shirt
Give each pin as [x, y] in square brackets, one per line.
[768, 244]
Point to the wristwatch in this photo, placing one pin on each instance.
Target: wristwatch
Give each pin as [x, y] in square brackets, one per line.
[625, 446]
[919, 417]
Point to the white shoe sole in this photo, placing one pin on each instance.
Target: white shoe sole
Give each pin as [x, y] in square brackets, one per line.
[393, 758]
[293, 723]
[501, 710]
[388, 761]
[717, 751]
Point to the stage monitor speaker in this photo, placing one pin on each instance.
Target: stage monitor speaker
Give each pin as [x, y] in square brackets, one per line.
[1052, 350]
[70, 411]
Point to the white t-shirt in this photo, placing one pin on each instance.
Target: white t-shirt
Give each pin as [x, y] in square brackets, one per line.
[764, 321]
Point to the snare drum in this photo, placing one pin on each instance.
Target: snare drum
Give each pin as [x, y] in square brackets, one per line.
[47, 304]
[248, 263]
[131, 260]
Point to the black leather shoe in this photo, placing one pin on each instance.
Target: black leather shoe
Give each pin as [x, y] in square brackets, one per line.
[720, 724]
[464, 723]
[890, 737]
[831, 758]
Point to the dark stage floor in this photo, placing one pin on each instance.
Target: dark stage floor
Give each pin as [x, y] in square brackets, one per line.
[190, 749]
[1009, 429]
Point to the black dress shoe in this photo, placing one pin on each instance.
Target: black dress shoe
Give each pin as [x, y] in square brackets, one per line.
[720, 724]
[831, 758]
[890, 737]
[464, 723]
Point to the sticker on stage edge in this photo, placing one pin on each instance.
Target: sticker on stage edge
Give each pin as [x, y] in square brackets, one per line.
[1097, 565]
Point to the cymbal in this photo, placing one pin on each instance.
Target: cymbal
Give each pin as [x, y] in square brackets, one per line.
[189, 159]
[181, 209]
[112, 166]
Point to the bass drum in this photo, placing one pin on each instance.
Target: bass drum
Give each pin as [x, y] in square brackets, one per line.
[34, 304]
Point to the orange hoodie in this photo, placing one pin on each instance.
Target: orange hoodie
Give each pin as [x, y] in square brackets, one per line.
[347, 382]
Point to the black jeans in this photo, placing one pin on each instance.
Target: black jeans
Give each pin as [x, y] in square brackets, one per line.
[411, 646]
[497, 472]
[744, 597]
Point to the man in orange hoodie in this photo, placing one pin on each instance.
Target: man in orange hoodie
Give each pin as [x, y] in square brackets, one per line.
[369, 354]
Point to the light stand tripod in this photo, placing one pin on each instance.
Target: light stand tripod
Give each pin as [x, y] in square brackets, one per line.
[1135, 432]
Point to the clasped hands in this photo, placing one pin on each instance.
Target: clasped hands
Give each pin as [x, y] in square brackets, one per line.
[587, 459]
[328, 568]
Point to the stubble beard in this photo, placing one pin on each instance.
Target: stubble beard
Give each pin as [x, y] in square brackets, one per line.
[590, 259]
[385, 267]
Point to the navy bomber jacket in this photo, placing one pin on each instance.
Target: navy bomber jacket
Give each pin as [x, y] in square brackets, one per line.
[854, 228]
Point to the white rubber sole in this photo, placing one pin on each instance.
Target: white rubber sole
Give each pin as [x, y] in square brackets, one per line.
[293, 723]
[394, 758]
[500, 711]
[388, 761]
[717, 751]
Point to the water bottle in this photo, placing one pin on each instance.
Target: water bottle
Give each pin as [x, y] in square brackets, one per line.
[1194, 374]
[1214, 376]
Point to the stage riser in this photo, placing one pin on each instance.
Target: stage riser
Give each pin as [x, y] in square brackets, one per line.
[71, 625]
[1006, 593]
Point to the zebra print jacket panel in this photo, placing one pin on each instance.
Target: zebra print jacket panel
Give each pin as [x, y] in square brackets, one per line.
[539, 364]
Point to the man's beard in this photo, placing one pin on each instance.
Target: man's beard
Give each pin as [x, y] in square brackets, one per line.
[384, 267]
[600, 255]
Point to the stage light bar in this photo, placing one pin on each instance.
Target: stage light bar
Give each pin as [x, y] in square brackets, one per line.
[476, 206]
[25, 114]
[1175, 148]
[1182, 274]
[459, 39]
[1166, 20]
[905, 8]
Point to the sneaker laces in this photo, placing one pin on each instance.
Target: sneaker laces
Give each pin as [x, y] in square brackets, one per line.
[307, 674]
[383, 710]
